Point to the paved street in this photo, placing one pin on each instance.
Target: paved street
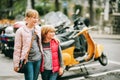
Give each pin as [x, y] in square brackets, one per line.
[6, 64]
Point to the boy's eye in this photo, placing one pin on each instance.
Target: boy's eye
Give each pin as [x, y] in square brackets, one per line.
[52, 31]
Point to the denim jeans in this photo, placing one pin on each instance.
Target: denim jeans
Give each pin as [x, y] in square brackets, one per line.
[32, 70]
[49, 75]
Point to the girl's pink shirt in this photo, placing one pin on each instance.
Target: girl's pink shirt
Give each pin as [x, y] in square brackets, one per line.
[22, 43]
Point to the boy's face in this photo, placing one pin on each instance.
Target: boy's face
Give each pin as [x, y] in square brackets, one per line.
[50, 35]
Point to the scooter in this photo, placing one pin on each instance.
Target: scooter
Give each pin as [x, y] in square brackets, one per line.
[94, 50]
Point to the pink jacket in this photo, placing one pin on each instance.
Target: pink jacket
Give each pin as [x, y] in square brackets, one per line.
[22, 43]
[55, 59]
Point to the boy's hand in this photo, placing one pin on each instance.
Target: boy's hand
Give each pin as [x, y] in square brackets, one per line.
[60, 71]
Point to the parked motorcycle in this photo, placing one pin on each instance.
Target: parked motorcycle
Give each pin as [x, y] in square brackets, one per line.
[80, 41]
[7, 39]
[7, 42]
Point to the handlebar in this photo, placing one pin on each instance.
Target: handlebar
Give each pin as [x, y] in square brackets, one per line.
[81, 31]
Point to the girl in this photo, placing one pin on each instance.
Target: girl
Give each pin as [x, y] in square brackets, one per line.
[27, 49]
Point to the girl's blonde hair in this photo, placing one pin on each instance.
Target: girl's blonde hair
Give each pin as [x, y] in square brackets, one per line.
[32, 13]
[45, 29]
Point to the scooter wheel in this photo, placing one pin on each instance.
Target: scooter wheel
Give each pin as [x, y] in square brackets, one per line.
[103, 60]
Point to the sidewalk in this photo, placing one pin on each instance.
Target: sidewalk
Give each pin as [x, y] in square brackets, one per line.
[97, 35]
[6, 69]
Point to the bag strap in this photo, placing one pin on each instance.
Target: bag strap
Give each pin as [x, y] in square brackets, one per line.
[33, 36]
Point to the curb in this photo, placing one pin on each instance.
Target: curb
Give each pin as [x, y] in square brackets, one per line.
[105, 36]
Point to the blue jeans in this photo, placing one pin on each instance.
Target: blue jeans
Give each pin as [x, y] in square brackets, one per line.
[49, 75]
[32, 70]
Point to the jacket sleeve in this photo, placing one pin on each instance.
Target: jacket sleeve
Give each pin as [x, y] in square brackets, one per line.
[60, 57]
[17, 48]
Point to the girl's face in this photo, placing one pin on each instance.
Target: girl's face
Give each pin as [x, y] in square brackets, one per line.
[32, 21]
[50, 35]
[31, 18]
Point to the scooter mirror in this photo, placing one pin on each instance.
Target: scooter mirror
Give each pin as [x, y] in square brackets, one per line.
[77, 11]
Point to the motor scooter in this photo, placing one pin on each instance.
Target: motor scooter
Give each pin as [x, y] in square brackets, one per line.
[94, 51]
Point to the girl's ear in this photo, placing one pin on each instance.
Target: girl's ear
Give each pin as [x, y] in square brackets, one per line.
[26, 18]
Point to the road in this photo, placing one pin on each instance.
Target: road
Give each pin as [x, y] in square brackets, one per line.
[95, 70]
[111, 49]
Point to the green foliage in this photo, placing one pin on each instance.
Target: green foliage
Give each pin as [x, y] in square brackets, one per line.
[43, 9]
[65, 11]
[98, 13]
[20, 7]
[98, 10]
[40, 10]
[11, 8]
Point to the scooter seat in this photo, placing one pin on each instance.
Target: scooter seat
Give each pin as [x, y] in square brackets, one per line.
[64, 34]
[67, 44]
[63, 37]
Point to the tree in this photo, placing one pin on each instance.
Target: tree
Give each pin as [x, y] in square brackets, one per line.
[6, 10]
[119, 6]
[91, 12]
[57, 8]
[33, 3]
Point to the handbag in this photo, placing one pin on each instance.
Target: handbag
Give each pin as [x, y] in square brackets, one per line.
[22, 63]
[21, 66]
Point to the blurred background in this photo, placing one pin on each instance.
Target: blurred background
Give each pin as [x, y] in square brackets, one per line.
[102, 14]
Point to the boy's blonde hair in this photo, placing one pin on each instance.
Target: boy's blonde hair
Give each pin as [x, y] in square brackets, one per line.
[45, 29]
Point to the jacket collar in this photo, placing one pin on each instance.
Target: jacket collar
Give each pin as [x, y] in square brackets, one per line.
[27, 30]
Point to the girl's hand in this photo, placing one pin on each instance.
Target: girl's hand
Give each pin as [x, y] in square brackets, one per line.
[16, 69]
[60, 71]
